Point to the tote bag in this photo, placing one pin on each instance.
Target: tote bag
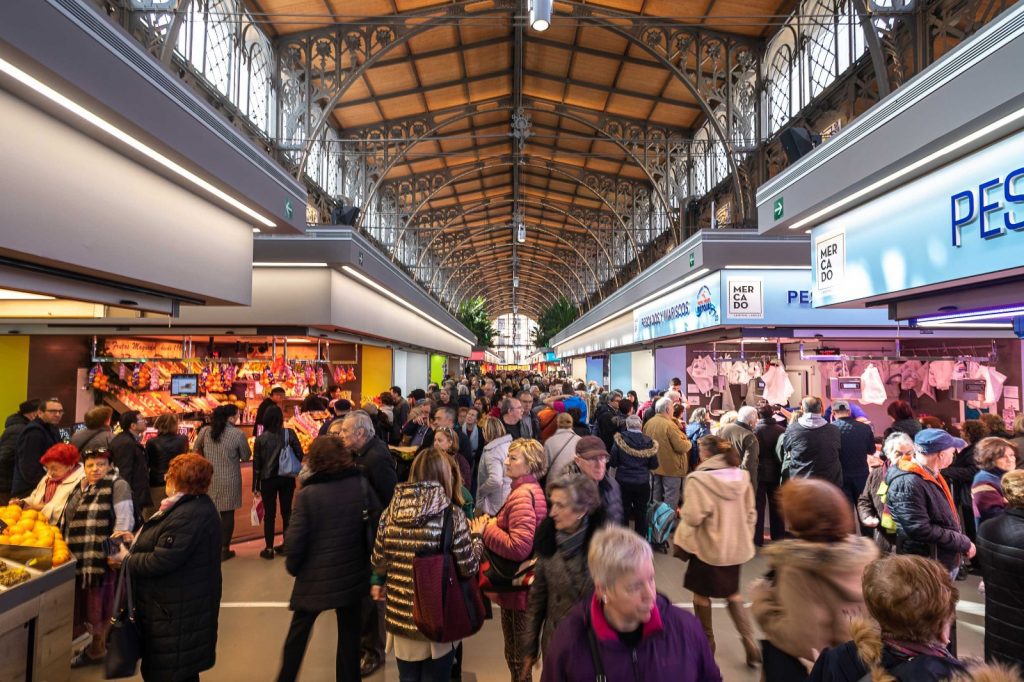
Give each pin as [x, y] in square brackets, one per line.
[445, 606]
[124, 639]
[287, 463]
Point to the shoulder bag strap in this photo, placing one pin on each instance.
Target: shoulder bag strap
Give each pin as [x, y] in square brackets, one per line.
[560, 451]
[595, 653]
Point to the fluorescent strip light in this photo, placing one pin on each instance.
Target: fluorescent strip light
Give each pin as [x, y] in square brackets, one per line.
[112, 130]
[767, 267]
[289, 265]
[965, 325]
[390, 294]
[992, 313]
[665, 292]
[12, 295]
[892, 177]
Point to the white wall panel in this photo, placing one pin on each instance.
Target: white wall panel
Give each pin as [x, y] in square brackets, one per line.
[417, 372]
[643, 372]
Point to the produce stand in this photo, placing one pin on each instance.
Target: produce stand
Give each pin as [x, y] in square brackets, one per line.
[35, 619]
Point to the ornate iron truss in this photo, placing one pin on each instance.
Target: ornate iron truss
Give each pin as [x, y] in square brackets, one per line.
[724, 73]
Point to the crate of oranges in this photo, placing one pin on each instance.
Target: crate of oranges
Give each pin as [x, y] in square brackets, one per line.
[29, 528]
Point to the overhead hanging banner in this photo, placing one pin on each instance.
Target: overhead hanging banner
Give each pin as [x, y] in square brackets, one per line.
[962, 220]
[694, 306]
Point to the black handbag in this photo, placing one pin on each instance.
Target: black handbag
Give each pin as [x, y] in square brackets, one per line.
[124, 639]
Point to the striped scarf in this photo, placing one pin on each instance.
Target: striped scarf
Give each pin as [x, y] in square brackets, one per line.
[91, 524]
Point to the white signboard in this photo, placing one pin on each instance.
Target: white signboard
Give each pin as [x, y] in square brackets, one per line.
[746, 298]
[829, 261]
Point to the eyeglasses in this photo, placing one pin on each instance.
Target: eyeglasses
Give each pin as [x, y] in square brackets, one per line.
[601, 458]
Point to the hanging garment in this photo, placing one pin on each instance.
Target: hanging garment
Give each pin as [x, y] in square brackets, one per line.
[940, 373]
[702, 370]
[871, 387]
[756, 369]
[915, 377]
[777, 386]
[740, 373]
[994, 380]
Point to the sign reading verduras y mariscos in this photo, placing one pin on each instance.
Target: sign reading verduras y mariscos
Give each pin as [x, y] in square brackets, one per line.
[694, 306]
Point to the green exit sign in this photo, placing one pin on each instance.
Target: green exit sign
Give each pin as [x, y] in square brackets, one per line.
[289, 210]
[691, 259]
[777, 209]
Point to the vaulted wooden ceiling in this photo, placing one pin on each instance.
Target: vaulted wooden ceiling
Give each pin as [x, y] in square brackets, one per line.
[575, 63]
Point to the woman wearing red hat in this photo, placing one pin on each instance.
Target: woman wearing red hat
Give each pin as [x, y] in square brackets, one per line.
[63, 472]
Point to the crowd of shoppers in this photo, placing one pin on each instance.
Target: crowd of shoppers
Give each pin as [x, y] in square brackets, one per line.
[549, 516]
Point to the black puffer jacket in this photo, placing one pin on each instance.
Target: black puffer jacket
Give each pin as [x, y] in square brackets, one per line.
[327, 541]
[634, 456]
[266, 454]
[34, 440]
[926, 523]
[812, 446]
[128, 455]
[175, 569]
[1001, 552]
[13, 427]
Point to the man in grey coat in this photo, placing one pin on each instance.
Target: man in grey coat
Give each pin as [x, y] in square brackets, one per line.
[741, 434]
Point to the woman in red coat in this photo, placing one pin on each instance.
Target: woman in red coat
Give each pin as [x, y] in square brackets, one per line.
[509, 534]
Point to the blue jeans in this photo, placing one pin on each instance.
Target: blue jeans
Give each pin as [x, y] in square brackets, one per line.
[427, 670]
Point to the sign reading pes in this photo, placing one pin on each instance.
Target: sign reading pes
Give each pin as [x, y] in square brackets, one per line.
[694, 306]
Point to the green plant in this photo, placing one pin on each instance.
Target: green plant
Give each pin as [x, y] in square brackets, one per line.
[554, 319]
[473, 314]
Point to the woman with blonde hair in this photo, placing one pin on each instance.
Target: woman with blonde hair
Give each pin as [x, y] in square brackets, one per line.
[412, 523]
[813, 587]
[716, 528]
[509, 535]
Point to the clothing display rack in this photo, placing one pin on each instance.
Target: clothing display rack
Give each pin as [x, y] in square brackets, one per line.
[966, 354]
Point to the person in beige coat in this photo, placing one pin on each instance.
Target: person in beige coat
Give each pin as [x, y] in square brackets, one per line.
[716, 529]
[673, 448]
[813, 590]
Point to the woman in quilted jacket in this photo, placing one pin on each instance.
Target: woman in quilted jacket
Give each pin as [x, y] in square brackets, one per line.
[414, 522]
[510, 534]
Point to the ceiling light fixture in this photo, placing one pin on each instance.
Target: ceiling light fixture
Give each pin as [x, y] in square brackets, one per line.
[115, 132]
[289, 265]
[540, 14]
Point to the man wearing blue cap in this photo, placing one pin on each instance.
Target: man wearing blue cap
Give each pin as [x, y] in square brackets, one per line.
[922, 505]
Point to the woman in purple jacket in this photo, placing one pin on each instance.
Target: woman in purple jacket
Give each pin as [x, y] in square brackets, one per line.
[625, 630]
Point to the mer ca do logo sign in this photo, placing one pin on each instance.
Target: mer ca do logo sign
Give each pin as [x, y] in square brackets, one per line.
[746, 298]
[830, 261]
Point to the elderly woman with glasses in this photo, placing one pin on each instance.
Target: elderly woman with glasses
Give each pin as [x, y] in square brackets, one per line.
[870, 504]
[625, 630]
[63, 474]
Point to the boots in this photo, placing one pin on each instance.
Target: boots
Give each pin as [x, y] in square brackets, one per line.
[703, 613]
[743, 626]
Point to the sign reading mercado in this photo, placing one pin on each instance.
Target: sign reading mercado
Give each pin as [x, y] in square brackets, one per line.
[694, 306]
[965, 219]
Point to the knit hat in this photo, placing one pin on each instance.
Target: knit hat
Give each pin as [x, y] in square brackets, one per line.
[590, 447]
[558, 406]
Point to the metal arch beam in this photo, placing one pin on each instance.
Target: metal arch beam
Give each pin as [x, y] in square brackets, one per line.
[537, 302]
[666, 43]
[486, 228]
[531, 247]
[171, 39]
[506, 200]
[874, 45]
[423, 127]
[439, 182]
[490, 279]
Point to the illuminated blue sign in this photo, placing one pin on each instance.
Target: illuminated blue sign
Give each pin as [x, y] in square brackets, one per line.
[968, 207]
[960, 221]
[694, 306]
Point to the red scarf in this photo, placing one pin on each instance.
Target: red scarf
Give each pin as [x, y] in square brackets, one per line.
[53, 483]
[908, 463]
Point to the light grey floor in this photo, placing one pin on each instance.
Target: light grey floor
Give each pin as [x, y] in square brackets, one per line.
[254, 620]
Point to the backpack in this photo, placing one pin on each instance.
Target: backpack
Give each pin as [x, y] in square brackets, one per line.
[661, 522]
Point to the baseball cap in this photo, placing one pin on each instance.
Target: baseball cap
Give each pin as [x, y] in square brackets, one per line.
[841, 406]
[935, 440]
[590, 447]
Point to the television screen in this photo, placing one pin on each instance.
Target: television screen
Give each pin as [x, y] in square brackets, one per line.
[184, 384]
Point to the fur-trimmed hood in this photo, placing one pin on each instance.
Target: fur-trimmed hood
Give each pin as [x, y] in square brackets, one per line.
[839, 564]
[636, 444]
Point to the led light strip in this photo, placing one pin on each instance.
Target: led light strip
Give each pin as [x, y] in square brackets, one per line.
[767, 267]
[366, 280]
[906, 170]
[965, 325]
[672, 288]
[289, 265]
[973, 315]
[112, 130]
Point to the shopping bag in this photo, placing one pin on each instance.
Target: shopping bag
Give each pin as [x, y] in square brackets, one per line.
[124, 640]
[256, 511]
[287, 463]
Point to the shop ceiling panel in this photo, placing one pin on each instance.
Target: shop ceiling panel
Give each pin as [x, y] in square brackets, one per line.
[101, 214]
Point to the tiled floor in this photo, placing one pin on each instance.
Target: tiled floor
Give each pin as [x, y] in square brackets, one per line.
[254, 619]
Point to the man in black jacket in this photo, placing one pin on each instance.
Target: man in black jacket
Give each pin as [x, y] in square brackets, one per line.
[38, 436]
[604, 419]
[128, 455]
[857, 441]
[769, 475]
[13, 427]
[811, 446]
[1001, 554]
[374, 457]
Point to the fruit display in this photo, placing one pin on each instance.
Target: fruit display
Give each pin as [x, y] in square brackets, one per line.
[29, 528]
[98, 379]
[11, 576]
